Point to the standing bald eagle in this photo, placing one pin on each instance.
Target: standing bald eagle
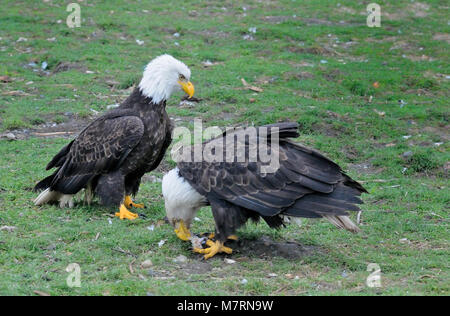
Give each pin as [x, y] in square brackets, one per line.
[109, 157]
[305, 184]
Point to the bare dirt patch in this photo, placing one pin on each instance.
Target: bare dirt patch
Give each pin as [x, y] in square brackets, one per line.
[211, 33]
[71, 127]
[442, 131]
[416, 9]
[332, 74]
[437, 76]
[318, 50]
[408, 49]
[300, 64]
[298, 75]
[442, 37]
[419, 58]
[314, 21]
[66, 66]
[276, 19]
[198, 267]
[347, 10]
[364, 168]
[419, 9]
[329, 129]
[68, 129]
[265, 247]
[404, 46]
[226, 116]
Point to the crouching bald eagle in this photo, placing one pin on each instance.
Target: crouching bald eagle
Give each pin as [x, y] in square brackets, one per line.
[109, 157]
[305, 184]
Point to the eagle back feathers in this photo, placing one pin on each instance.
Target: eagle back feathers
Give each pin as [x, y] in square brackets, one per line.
[306, 184]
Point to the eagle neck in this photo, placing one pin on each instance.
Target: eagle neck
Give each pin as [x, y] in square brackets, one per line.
[138, 101]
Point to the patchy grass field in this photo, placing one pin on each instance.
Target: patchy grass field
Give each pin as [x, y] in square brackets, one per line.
[373, 99]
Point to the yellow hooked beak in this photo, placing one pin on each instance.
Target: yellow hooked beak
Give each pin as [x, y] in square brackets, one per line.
[187, 87]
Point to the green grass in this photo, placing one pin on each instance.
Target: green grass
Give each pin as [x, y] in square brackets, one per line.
[317, 62]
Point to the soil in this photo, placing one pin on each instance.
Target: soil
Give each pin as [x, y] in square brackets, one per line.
[266, 247]
[68, 129]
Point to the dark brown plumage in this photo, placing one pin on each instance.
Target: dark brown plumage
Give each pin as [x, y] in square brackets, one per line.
[307, 184]
[113, 152]
[109, 157]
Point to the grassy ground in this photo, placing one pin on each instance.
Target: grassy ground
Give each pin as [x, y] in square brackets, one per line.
[373, 99]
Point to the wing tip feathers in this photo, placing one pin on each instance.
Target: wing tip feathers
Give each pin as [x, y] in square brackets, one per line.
[343, 222]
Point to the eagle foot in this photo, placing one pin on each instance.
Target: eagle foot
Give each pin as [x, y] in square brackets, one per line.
[182, 231]
[214, 248]
[231, 237]
[124, 213]
[129, 203]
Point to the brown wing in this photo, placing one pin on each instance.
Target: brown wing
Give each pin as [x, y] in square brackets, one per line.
[302, 172]
[99, 148]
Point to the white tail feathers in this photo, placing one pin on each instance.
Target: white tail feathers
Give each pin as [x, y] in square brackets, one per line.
[343, 222]
[47, 196]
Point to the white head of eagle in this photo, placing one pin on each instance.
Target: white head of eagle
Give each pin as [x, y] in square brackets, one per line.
[162, 76]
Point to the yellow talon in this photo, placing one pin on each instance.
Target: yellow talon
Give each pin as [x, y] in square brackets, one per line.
[182, 231]
[129, 203]
[231, 237]
[214, 248]
[125, 213]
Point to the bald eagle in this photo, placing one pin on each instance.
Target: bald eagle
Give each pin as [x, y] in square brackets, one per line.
[305, 184]
[109, 157]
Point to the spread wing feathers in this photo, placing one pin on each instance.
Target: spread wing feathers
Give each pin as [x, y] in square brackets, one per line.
[306, 184]
[100, 148]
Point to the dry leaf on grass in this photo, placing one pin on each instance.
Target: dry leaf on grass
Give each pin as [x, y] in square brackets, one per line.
[9, 229]
[380, 113]
[130, 266]
[146, 264]
[16, 93]
[209, 63]
[256, 89]
[250, 87]
[6, 79]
